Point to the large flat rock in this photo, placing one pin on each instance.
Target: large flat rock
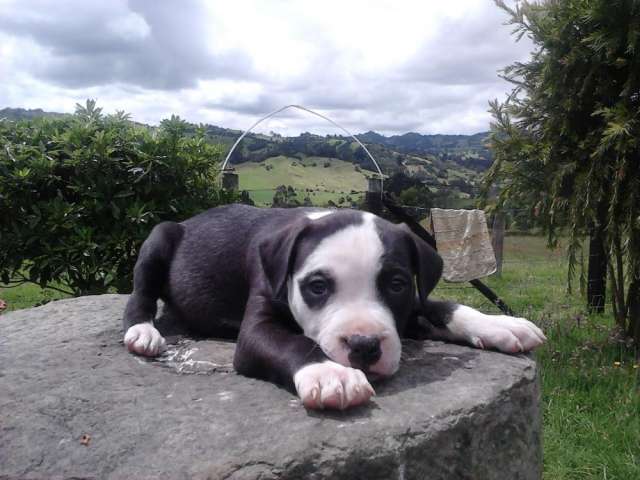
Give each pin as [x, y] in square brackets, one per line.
[75, 404]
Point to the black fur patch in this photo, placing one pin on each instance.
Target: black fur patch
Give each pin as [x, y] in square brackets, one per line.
[316, 288]
[397, 266]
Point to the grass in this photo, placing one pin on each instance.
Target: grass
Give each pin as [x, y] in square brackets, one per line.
[590, 380]
[27, 295]
[261, 183]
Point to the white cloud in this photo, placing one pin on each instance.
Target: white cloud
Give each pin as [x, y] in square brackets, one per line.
[130, 27]
[390, 66]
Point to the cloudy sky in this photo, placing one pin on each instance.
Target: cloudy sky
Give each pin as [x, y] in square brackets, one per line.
[391, 66]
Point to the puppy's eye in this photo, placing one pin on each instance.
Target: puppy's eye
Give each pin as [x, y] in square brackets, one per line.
[318, 287]
[397, 285]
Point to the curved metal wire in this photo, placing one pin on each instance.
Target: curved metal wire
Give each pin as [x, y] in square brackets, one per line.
[300, 107]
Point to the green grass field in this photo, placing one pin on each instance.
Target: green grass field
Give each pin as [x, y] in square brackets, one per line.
[331, 183]
[590, 380]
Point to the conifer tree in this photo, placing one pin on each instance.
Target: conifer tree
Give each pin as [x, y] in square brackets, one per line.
[566, 140]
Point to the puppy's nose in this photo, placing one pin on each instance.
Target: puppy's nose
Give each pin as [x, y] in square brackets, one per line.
[365, 350]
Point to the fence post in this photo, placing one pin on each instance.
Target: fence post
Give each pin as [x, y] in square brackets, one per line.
[497, 239]
[597, 270]
[230, 181]
[373, 196]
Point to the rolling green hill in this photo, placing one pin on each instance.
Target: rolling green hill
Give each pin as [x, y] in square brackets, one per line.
[319, 179]
[453, 175]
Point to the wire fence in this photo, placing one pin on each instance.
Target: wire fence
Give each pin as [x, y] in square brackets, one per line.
[337, 191]
[306, 189]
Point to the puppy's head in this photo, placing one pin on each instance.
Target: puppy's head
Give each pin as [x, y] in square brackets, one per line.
[350, 280]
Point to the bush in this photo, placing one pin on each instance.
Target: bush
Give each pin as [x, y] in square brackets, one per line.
[79, 195]
[285, 197]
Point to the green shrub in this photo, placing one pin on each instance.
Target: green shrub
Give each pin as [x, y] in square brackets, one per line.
[79, 195]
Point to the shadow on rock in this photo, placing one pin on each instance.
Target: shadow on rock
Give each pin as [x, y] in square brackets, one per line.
[350, 415]
[419, 367]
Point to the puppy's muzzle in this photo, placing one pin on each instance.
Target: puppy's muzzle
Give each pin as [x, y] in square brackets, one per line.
[364, 350]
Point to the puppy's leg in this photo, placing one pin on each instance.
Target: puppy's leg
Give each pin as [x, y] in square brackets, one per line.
[267, 349]
[150, 277]
[460, 323]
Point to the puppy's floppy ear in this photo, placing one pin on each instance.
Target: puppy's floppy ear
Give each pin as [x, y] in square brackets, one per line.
[277, 255]
[429, 267]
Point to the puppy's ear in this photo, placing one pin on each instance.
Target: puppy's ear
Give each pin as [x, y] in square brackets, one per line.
[429, 267]
[277, 255]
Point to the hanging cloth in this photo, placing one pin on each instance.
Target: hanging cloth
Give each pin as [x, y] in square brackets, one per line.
[463, 243]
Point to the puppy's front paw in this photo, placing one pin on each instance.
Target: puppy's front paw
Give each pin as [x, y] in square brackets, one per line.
[508, 334]
[144, 339]
[502, 332]
[331, 385]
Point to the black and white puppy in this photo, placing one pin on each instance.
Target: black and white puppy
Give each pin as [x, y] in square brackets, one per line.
[318, 299]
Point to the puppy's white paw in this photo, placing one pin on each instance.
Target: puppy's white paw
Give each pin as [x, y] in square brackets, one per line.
[144, 339]
[331, 385]
[502, 332]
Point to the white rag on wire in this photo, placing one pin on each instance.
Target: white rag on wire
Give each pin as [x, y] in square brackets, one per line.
[463, 243]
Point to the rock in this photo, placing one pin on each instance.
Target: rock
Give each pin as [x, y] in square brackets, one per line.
[75, 404]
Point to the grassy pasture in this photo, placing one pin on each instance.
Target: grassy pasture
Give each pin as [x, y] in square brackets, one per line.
[590, 380]
[332, 182]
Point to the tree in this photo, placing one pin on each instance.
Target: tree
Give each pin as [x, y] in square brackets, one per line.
[409, 190]
[566, 139]
[285, 197]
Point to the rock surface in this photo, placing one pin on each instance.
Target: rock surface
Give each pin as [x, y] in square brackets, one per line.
[75, 404]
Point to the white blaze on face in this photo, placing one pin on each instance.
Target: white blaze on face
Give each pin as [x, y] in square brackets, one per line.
[352, 257]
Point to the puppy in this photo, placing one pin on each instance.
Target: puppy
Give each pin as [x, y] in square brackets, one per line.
[317, 299]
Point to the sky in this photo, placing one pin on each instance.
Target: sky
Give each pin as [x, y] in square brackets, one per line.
[427, 66]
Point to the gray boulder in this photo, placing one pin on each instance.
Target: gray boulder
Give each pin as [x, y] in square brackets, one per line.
[75, 404]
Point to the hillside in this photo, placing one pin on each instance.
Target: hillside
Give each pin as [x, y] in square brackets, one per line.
[27, 114]
[466, 151]
[317, 179]
[451, 175]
